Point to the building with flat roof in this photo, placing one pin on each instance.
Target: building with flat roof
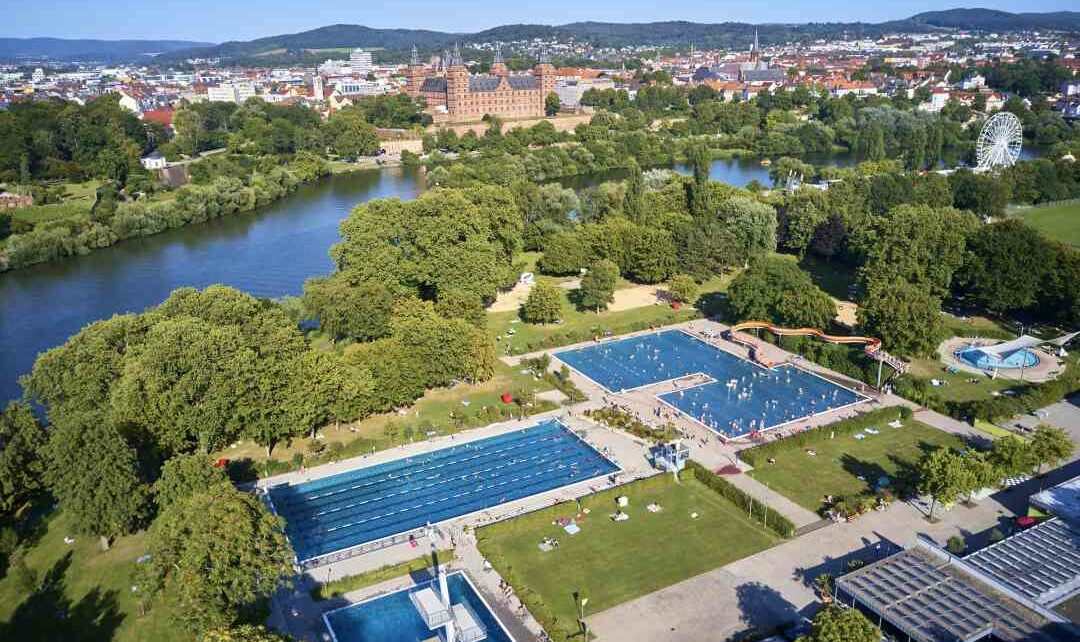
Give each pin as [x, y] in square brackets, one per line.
[925, 594]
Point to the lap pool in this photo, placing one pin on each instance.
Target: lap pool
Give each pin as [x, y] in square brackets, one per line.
[367, 504]
[742, 397]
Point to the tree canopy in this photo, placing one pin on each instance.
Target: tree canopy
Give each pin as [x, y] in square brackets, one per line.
[776, 289]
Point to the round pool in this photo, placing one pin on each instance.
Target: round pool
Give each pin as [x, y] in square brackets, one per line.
[976, 357]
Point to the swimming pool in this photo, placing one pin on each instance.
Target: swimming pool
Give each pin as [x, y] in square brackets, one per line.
[368, 504]
[393, 618]
[1017, 359]
[741, 397]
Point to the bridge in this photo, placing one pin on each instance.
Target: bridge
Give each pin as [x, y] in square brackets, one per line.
[871, 345]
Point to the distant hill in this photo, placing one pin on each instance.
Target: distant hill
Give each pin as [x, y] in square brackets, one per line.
[992, 20]
[63, 49]
[726, 34]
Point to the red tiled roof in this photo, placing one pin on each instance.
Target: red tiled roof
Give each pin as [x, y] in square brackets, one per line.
[163, 115]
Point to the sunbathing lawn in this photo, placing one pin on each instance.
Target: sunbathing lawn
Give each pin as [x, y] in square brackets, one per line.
[835, 469]
[958, 385]
[613, 562]
[92, 589]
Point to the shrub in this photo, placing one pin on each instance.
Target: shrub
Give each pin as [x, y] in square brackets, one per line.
[956, 545]
[759, 512]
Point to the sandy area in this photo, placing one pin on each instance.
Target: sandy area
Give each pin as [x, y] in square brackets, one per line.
[845, 312]
[625, 299]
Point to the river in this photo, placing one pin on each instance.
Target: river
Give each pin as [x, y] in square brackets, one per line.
[268, 252]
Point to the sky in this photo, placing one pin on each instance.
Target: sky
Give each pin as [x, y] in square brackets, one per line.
[221, 20]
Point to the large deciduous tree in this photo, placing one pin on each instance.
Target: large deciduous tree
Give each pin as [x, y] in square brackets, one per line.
[350, 135]
[1050, 446]
[776, 289]
[93, 473]
[1007, 264]
[543, 305]
[185, 475]
[22, 440]
[598, 285]
[906, 318]
[215, 552]
[942, 476]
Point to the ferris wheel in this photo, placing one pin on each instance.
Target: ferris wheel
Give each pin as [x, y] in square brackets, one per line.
[1000, 141]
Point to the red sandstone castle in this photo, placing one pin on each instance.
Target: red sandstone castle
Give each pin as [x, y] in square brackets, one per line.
[453, 94]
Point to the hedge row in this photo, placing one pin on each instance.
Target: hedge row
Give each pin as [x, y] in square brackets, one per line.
[759, 512]
[757, 455]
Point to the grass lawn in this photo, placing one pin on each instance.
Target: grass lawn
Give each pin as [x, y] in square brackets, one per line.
[958, 387]
[839, 462]
[612, 562]
[345, 585]
[91, 598]
[1057, 222]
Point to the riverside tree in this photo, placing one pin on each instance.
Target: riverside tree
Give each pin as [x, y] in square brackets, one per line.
[93, 473]
[22, 440]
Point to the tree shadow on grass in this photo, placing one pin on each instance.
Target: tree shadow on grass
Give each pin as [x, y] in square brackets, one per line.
[48, 614]
[870, 472]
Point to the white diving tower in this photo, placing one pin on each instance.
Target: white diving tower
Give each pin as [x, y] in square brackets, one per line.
[454, 622]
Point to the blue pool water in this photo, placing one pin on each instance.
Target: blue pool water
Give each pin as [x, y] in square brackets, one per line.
[368, 504]
[743, 397]
[979, 359]
[393, 618]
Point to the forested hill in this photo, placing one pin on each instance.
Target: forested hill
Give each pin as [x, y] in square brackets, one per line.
[725, 34]
[63, 49]
[992, 20]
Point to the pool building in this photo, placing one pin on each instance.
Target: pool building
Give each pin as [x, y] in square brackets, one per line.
[344, 514]
[738, 397]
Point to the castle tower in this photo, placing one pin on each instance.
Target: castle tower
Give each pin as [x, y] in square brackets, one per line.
[457, 83]
[414, 75]
[545, 75]
[498, 67]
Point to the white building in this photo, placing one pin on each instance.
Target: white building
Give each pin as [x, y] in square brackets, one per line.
[360, 62]
[975, 82]
[230, 92]
[38, 75]
[153, 161]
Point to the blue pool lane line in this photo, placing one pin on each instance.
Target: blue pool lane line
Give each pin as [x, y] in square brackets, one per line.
[368, 504]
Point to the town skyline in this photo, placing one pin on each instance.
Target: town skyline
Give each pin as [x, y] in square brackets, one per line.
[145, 21]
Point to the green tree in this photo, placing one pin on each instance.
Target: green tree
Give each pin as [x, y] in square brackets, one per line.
[1006, 266]
[634, 201]
[185, 475]
[349, 311]
[22, 440]
[93, 473]
[1011, 456]
[216, 552]
[543, 305]
[552, 104]
[752, 223]
[324, 390]
[682, 288]
[905, 317]
[350, 135]
[942, 475]
[776, 289]
[837, 624]
[598, 285]
[1050, 446]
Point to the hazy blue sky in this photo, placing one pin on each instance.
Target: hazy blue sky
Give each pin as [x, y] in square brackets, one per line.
[220, 20]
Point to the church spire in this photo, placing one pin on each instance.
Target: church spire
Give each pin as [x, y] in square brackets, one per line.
[498, 53]
[544, 58]
[456, 60]
[414, 60]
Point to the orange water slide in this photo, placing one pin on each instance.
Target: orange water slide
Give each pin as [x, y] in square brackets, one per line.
[872, 345]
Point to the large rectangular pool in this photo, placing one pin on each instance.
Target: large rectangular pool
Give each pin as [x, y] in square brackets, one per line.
[742, 397]
[371, 503]
[393, 618]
